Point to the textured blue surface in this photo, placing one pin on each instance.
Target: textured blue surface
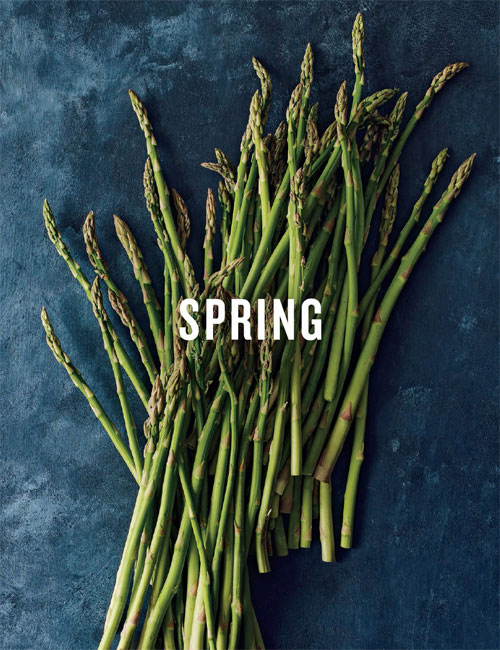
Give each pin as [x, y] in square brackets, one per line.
[424, 573]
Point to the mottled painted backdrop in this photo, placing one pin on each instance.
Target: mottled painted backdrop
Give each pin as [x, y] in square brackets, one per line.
[424, 573]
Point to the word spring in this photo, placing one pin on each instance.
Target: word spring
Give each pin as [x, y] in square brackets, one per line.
[241, 324]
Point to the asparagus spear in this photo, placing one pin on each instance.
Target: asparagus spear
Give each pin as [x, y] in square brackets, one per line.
[136, 258]
[358, 35]
[357, 453]
[161, 186]
[108, 335]
[209, 236]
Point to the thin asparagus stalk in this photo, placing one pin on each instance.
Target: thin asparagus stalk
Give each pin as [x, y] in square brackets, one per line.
[322, 350]
[358, 35]
[228, 492]
[183, 222]
[337, 346]
[226, 169]
[141, 274]
[161, 186]
[239, 528]
[141, 554]
[254, 214]
[350, 235]
[226, 591]
[254, 498]
[225, 203]
[295, 289]
[306, 79]
[168, 628]
[170, 274]
[311, 141]
[274, 460]
[106, 328]
[219, 480]
[357, 457]
[238, 227]
[209, 236]
[357, 453]
[256, 126]
[193, 571]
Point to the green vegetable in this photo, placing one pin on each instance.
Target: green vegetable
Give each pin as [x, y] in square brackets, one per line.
[241, 437]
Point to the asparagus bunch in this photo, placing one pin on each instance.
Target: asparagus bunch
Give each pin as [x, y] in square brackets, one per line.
[241, 437]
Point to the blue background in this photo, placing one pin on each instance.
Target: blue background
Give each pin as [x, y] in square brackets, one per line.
[424, 573]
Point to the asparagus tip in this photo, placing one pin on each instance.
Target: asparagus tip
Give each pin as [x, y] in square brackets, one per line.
[341, 104]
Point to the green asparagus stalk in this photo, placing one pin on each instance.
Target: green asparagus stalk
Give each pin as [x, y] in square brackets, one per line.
[358, 35]
[134, 254]
[357, 453]
[183, 221]
[192, 583]
[306, 79]
[108, 335]
[209, 236]
[226, 591]
[256, 126]
[161, 186]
